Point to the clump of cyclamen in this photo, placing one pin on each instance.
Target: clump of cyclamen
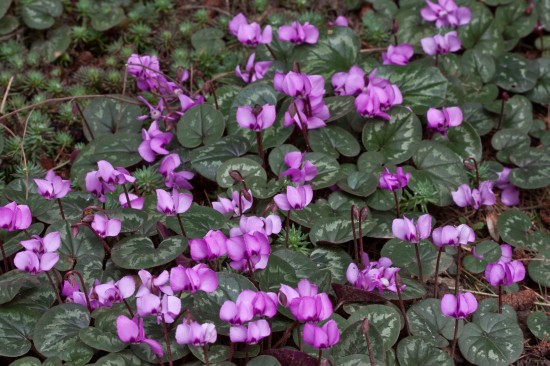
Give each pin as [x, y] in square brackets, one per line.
[440, 120]
[475, 198]
[299, 171]
[378, 275]
[445, 13]
[15, 217]
[253, 71]
[40, 254]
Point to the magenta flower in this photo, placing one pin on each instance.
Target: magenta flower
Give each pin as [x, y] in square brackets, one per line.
[40, 246]
[248, 252]
[132, 331]
[72, 292]
[256, 119]
[197, 278]
[146, 70]
[309, 114]
[172, 205]
[154, 141]
[113, 292]
[249, 34]
[196, 334]
[293, 84]
[113, 176]
[250, 224]
[173, 179]
[398, 55]
[298, 171]
[484, 196]
[299, 33]
[321, 337]
[441, 120]
[349, 83]
[458, 307]
[295, 198]
[211, 246]
[504, 273]
[53, 187]
[340, 21]
[510, 193]
[305, 303]
[97, 186]
[446, 14]
[250, 334]
[393, 182]
[135, 201]
[379, 96]
[225, 205]
[374, 275]
[405, 229]
[453, 236]
[253, 71]
[166, 308]
[15, 217]
[440, 45]
[105, 227]
[249, 304]
[154, 285]
[40, 253]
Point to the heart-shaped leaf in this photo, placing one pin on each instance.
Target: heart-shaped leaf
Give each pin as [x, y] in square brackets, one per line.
[387, 320]
[107, 116]
[539, 268]
[508, 78]
[327, 170]
[16, 329]
[40, 14]
[12, 282]
[140, 252]
[463, 140]
[200, 125]
[333, 141]
[334, 259]
[336, 230]
[414, 350]
[352, 341]
[533, 169]
[539, 324]
[277, 272]
[247, 167]
[208, 40]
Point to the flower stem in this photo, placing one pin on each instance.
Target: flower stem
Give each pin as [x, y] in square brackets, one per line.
[320, 356]
[357, 254]
[436, 287]
[271, 51]
[401, 304]
[127, 196]
[61, 209]
[299, 332]
[4, 257]
[167, 340]
[231, 351]
[369, 348]
[419, 262]
[55, 289]
[129, 308]
[397, 208]
[361, 249]
[181, 225]
[436, 60]
[85, 290]
[260, 147]
[453, 345]
[246, 356]
[205, 351]
[500, 299]
[458, 269]
[287, 228]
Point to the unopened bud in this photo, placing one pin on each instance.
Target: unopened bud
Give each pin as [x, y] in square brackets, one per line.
[236, 176]
[75, 230]
[364, 214]
[355, 212]
[246, 194]
[505, 96]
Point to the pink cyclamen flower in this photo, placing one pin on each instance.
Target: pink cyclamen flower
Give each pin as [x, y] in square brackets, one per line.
[248, 252]
[453, 236]
[112, 292]
[211, 246]
[441, 120]
[295, 198]
[484, 196]
[53, 187]
[398, 54]
[250, 224]
[193, 279]
[146, 70]
[293, 84]
[154, 285]
[405, 229]
[40, 253]
[196, 334]
[440, 45]
[173, 179]
[321, 337]
[446, 13]
[377, 97]
[249, 304]
[114, 176]
[154, 141]
[250, 34]
[253, 71]
[173, 204]
[298, 171]
[310, 114]
[105, 227]
[510, 193]
[340, 21]
[165, 307]
[393, 182]
[305, 303]
[252, 333]
[135, 201]
[458, 307]
[15, 217]
[132, 331]
[299, 33]
[504, 273]
[374, 275]
[256, 119]
[349, 83]
[225, 205]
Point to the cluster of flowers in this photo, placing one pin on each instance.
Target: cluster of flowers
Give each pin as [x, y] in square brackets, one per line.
[378, 275]
[465, 196]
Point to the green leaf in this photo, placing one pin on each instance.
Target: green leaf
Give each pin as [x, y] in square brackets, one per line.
[276, 272]
[26, 361]
[463, 140]
[56, 333]
[510, 139]
[247, 167]
[101, 339]
[513, 226]
[495, 340]
[539, 324]
[481, 33]
[387, 320]
[139, 252]
[427, 321]
[40, 14]
[302, 266]
[125, 358]
[491, 253]
[16, 329]
[333, 141]
[518, 113]
[57, 42]
[13, 282]
[8, 24]
[414, 290]
[352, 341]
[202, 124]
[413, 351]
[335, 230]
[514, 22]
[106, 14]
[481, 120]
[411, 26]
[508, 78]
[103, 115]
[328, 170]
[539, 268]
[208, 40]
[543, 7]
[277, 156]
[334, 259]
[475, 62]
[422, 87]
[358, 183]
[397, 140]
[541, 92]
[533, 169]
[339, 106]
[4, 6]
[263, 360]
[197, 221]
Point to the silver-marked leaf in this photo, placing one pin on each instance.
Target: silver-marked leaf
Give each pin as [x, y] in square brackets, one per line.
[463, 140]
[333, 141]
[56, 43]
[277, 271]
[17, 323]
[12, 282]
[101, 339]
[474, 62]
[40, 14]
[481, 33]
[339, 106]
[539, 268]
[103, 116]
[140, 252]
[263, 360]
[106, 15]
[200, 125]
[336, 230]
[479, 118]
[208, 40]
[357, 183]
[414, 351]
[427, 321]
[533, 169]
[516, 73]
[247, 167]
[539, 324]
[334, 259]
[328, 170]
[352, 341]
[387, 320]
[541, 92]
[197, 221]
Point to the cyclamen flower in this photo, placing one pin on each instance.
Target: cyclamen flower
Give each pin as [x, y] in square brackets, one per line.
[305, 303]
[378, 96]
[249, 304]
[53, 187]
[321, 337]
[298, 171]
[40, 253]
[295, 198]
[249, 34]
[225, 205]
[132, 331]
[510, 193]
[441, 120]
[196, 334]
[393, 182]
[340, 21]
[453, 236]
[252, 333]
[458, 307]
[135, 201]
[250, 224]
[154, 141]
[146, 70]
[398, 54]
[211, 246]
[296, 84]
[405, 229]
[71, 291]
[15, 217]
[299, 33]
[256, 119]
[174, 204]
[504, 273]
[173, 179]
[113, 292]
[375, 275]
[166, 308]
[114, 176]
[484, 196]
[105, 227]
[248, 252]
[349, 83]
[154, 285]
[446, 13]
[253, 71]
[197, 278]
[440, 45]
[310, 114]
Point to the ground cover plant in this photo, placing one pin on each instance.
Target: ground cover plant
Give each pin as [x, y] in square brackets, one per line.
[248, 184]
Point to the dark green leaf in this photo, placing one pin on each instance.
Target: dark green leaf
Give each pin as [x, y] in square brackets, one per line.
[335, 230]
[40, 14]
[413, 351]
[508, 77]
[463, 140]
[427, 321]
[140, 252]
[16, 329]
[533, 169]
[247, 167]
[103, 116]
[208, 40]
[333, 141]
[202, 124]
[55, 45]
[539, 324]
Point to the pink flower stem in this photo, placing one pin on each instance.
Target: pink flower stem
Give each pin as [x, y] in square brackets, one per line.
[299, 332]
[260, 147]
[397, 208]
[85, 290]
[287, 228]
[320, 357]
[4, 257]
[401, 304]
[231, 351]
[271, 51]
[205, 351]
[246, 356]
[361, 249]
[436, 59]
[55, 289]
[181, 225]
[453, 345]
[357, 254]
[127, 196]
[61, 209]
[128, 308]
[167, 340]
[436, 285]
[500, 299]
[458, 269]
[369, 349]
[419, 262]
